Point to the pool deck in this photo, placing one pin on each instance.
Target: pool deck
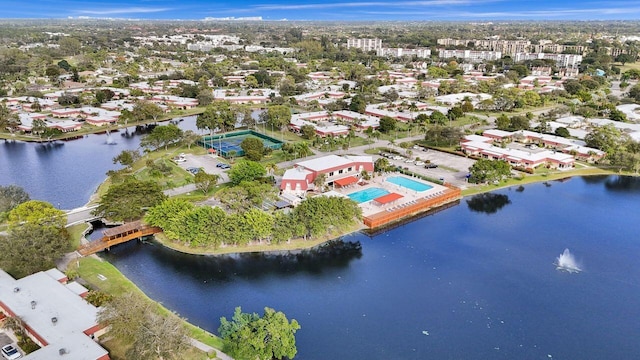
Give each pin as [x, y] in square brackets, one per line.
[412, 202]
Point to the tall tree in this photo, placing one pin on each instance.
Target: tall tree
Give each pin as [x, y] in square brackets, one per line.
[253, 148]
[127, 201]
[246, 170]
[484, 170]
[278, 116]
[8, 119]
[217, 116]
[163, 135]
[32, 247]
[205, 181]
[12, 196]
[37, 212]
[249, 336]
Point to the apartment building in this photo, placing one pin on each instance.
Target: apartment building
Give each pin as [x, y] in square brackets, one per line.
[367, 44]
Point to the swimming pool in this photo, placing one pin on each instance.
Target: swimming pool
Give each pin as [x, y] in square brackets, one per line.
[367, 194]
[409, 183]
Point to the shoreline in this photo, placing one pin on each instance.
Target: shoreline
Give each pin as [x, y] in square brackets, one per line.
[298, 244]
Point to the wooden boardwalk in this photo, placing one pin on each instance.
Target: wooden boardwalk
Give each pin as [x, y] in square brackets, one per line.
[399, 212]
[118, 235]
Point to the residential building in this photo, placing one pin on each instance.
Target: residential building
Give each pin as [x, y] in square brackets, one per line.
[339, 171]
[365, 44]
[54, 314]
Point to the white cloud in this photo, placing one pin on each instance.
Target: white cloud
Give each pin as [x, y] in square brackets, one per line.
[131, 10]
[270, 7]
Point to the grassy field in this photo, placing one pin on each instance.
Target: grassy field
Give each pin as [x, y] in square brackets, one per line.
[75, 233]
[115, 284]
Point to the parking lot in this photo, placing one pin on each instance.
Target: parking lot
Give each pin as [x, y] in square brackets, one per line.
[207, 163]
[451, 168]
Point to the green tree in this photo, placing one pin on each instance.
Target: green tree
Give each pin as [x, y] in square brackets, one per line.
[8, 119]
[563, 132]
[10, 197]
[253, 148]
[485, 170]
[308, 132]
[381, 165]
[146, 110]
[438, 118]
[250, 336]
[205, 181]
[37, 212]
[31, 247]
[246, 170]
[278, 116]
[624, 58]
[606, 138]
[129, 200]
[219, 115]
[163, 135]
[439, 135]
[617, 115]
[387, 124]
[127, 158]
[358, 104]
[190, 137]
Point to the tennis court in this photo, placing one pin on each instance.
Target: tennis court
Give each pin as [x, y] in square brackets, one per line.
[229, 144]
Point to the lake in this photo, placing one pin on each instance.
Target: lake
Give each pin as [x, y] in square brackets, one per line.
[476, 281]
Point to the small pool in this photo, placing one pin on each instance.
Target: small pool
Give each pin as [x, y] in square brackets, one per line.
[367, 194]
[409, 183]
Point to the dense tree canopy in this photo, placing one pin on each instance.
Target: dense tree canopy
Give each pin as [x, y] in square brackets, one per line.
[218, 116]
[253, 148]
[38, 213]
[11, 196]
[128, 200]
[162, 136]
[484, 170]
[278, 116]
[32, 247]
[246, 170]
[249, 336]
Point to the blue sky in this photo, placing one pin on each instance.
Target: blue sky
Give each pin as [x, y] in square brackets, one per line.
[347, 10]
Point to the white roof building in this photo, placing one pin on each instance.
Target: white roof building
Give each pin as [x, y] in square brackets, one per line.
[57, 319]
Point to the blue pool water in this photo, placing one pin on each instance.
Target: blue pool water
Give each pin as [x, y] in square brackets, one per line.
[409, 184]
[367, 194]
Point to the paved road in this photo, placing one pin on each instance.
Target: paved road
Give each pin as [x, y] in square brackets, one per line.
[80, 215]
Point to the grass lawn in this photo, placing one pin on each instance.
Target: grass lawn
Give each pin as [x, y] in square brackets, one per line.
[545, 176]
[75, 233]
[116, 284]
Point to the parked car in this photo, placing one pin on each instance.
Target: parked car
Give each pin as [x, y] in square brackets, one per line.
[419, 163]
[398, 157]
[220, 164]
[193, 170]
[225, 166]
[179, 159]
[431, 166]
[409, 160]
[10, 353]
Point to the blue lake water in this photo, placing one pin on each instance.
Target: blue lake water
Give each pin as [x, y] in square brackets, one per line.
[478, 278]
[66, 173]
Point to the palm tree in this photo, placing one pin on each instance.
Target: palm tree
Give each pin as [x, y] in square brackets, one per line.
[271, 168]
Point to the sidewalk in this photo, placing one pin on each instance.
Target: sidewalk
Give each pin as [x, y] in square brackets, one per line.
[209, 350]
